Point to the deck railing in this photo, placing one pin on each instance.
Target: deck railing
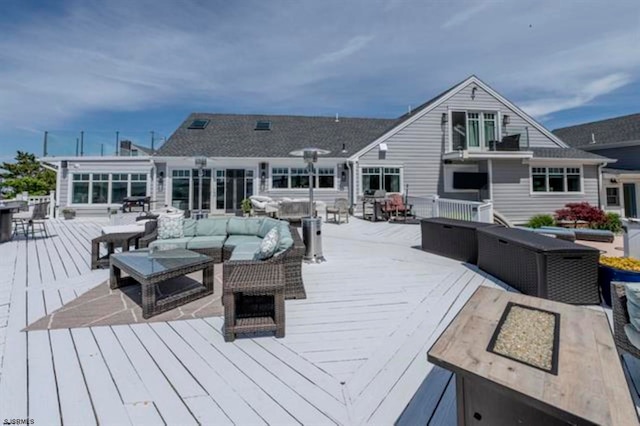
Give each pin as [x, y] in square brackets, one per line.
[37, 199]
[434, 206]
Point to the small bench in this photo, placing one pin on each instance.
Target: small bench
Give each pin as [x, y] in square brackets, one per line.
[560, 233]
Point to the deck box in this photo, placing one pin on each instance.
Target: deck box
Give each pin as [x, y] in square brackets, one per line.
[451, 238]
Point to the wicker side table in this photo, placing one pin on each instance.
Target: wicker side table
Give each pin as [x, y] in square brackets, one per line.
[253, 300]
[120, 239]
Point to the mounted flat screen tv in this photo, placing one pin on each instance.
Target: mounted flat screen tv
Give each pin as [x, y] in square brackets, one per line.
[469, 180]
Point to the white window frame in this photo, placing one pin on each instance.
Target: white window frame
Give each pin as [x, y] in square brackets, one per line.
[109, 202]
[547, 166]
[190, 176]
[381, 167]
[316, 180]
[620, 204]
[483, 144]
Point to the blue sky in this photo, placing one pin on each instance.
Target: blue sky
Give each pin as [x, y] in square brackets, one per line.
[137, 66]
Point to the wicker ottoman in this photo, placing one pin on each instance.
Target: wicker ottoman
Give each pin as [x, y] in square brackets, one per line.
[253, 302]
[540, 266]
[451, 238]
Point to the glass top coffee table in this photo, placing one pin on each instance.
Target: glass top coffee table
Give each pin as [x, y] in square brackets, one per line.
[149, 269]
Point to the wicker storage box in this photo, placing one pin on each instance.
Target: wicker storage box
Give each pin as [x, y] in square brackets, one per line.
[540, 266]
[451, 238]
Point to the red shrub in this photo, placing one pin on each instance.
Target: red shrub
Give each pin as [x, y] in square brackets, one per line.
[581, 211]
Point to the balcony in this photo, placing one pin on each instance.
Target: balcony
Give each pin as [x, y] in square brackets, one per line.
[514, 144]
[100, 143]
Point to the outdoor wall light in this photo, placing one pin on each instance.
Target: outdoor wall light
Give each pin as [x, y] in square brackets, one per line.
[445, 118]
[506, 120]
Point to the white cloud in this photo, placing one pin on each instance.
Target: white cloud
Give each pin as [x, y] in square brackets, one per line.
[463, 14]
[352, 46]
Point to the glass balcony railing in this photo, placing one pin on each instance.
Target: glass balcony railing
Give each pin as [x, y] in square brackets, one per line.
[99, 143]
[513, 139]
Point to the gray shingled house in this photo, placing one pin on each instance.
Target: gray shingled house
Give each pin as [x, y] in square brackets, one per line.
[617, 138]
[467, 143]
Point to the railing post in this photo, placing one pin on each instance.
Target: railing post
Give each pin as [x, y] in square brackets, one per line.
[52, 204]
[435, 208]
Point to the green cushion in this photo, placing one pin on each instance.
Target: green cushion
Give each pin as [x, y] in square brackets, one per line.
[237, 240]
[286, 240]
[243, 226]
[267, 224]
[239, 255]
[205, 242]
[189, 227]
[632, 290]
[632, 334]
[171, 243]
[212, 226]
[245, 251]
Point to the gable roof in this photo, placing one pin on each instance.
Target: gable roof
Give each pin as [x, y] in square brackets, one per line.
[609, 131]
[425, 108]
[234, 135]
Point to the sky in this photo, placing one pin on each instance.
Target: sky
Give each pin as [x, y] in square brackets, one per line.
[141, 66]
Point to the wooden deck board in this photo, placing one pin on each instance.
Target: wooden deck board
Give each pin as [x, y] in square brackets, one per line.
[354, 351]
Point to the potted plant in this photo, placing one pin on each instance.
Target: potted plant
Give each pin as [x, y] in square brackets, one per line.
[625, 269]
[246, 206]
[68, 213]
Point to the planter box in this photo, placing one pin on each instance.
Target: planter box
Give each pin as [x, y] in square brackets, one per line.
[607, 274]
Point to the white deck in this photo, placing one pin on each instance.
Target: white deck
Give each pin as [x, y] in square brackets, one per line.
[354, 351]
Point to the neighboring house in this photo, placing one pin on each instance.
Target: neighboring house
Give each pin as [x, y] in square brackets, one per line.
[617, 138]
[447, 146]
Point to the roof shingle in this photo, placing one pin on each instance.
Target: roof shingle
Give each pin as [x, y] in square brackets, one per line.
[572, 153]
[612, 130]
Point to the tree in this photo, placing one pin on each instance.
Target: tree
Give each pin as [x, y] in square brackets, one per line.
[26, 174]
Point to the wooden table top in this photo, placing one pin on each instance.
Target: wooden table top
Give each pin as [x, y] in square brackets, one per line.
[590, 383]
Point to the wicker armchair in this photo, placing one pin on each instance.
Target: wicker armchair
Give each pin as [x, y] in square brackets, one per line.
[620, 319]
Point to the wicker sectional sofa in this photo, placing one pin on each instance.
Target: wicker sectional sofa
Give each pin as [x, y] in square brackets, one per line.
[234, 240]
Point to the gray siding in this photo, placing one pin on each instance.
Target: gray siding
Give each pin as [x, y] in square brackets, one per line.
[512, 198]
[418, 148]
[628, 157]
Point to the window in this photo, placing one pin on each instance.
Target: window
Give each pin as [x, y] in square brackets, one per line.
[263, 125]
[138, 185]
[220, 189]
[198, 124]
[556, 179]
[180, 189]
[100, 188]
[119, 187]
[206, 188]
[326, 177]
[387, 178]
[248, 182]
[613, 197]
[299, 178]
[80, 189]
[280, 177]
[473, 130]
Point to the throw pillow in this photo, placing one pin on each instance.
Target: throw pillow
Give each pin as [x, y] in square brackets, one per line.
[632, 290]
[268, 245]
[170, 226]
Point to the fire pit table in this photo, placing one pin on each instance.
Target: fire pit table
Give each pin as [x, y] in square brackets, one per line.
[524, 360]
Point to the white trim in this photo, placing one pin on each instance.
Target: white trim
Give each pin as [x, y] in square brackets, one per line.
[141, 158]
[486, 155]
[572, 161]
[555, 193]
[490, 172]
[381, 166]
[617, 186]
[456, 89]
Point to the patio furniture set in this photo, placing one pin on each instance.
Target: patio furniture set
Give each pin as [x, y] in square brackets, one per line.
[379, 205]
[254, 285]
[533, 264]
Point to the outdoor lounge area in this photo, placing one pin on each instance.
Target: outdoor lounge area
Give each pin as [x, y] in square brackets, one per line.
[354, 352]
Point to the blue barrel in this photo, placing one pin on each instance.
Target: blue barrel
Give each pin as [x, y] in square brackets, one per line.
[607, 274]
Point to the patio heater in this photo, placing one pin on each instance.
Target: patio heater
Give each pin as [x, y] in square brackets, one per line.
[201, 163]
[311, 226]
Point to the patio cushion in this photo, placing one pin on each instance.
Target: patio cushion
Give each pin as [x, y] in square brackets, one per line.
[189, 228]
[632, 290]
[170, 226]
[242, 255]
[633, 335]
[237, 240]
[267, 224]
[205, 242]
[286, 240]
[243, 226]
[171, 243]
[268, 245]
[212, 226]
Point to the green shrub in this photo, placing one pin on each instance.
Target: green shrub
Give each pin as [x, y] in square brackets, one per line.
[611, 223]
[541, 220]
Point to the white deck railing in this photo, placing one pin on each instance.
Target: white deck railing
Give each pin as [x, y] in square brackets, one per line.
[37, 199]
[434, 206]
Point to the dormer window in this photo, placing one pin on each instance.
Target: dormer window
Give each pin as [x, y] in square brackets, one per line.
[198, 124]
[263, 125]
